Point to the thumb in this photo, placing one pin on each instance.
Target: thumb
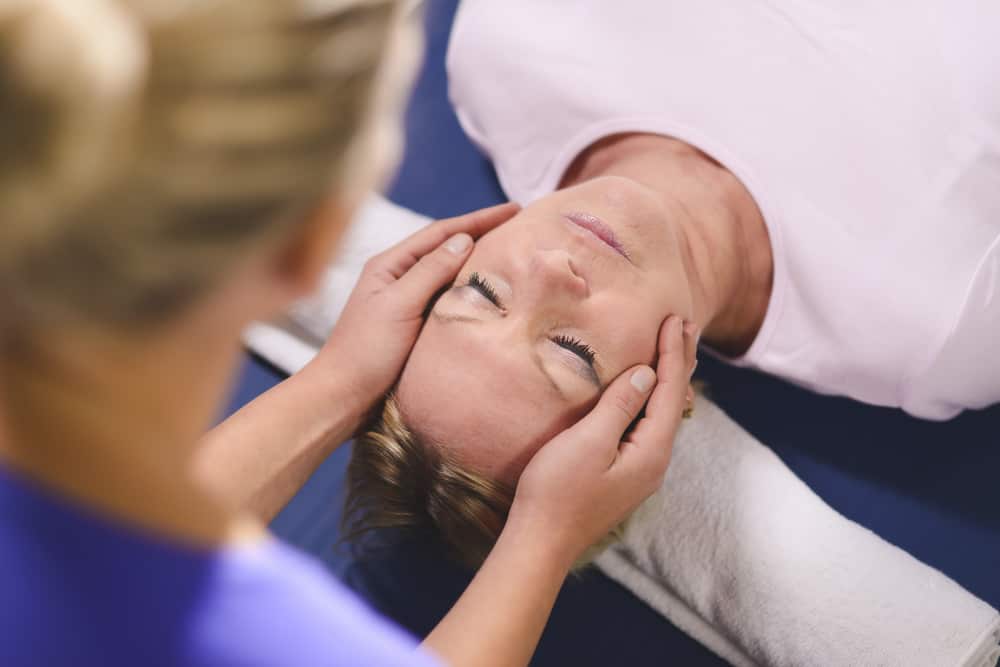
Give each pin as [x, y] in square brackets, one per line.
[617, 408]
[416, 287]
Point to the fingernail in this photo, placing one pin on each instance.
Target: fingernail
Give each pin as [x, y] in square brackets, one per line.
[643, 379]
[458, 244]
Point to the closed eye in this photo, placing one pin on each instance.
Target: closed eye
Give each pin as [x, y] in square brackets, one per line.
[577, 347]
[585, 353]
[481, 285]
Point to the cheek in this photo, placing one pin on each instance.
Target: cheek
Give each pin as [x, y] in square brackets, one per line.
[637, 344]
[633, 328]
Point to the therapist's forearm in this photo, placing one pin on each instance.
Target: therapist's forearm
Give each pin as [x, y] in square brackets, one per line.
[262, 455]
[498, 620]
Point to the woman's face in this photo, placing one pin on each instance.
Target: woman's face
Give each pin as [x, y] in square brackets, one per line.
[542, 317]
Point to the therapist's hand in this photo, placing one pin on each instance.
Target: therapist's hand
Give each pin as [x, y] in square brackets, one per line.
[590, 477]
[379, 325]
[575, 489]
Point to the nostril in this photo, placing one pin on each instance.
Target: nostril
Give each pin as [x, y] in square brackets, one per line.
[558, 265]
[579, 281]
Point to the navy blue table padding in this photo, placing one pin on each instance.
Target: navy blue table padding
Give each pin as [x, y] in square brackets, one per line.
[933, 489]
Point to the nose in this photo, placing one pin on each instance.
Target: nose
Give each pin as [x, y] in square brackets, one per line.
[554, 271]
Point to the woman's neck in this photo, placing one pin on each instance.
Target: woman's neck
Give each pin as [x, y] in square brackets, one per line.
[111, 425]
[723, 236]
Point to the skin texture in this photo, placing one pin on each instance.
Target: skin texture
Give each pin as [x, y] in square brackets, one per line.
[721, 231]
[491, 378]
[553, 279]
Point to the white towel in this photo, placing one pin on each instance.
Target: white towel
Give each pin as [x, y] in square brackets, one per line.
[734, 549]
[737, 552]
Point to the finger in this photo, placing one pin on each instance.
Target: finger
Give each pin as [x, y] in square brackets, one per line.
[692, 336]
[603, 427]
[671, 387]
[477, 223]
[651, 442]
[675, 362]
[412, 292]
[400, 258]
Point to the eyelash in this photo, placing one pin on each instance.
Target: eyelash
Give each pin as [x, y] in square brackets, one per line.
[574, 345]
[578, 347]
[479, 284]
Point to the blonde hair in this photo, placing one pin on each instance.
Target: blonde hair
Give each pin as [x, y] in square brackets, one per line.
[146, 145]
[395, 481]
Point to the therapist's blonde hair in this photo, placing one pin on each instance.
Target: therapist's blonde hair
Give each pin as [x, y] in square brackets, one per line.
[146, 145]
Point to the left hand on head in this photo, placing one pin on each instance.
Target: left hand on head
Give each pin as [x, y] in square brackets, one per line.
[379, 325]
[593, 475]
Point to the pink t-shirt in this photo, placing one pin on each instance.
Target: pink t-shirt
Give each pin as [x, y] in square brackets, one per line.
[868, 133]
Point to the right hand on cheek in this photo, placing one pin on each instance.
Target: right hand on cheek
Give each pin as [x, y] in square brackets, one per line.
[592, 476]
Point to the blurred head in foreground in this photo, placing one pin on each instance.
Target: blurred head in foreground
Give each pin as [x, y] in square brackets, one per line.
[150, 149]
[171, 170]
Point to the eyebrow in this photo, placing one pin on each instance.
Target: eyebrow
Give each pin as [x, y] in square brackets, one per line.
[445, 318]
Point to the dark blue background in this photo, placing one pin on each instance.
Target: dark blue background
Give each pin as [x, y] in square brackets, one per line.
[932, 489]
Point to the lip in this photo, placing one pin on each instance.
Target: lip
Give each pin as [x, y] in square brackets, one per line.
[596, 227]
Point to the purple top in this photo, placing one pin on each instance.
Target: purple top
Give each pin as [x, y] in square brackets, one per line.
[76, 589]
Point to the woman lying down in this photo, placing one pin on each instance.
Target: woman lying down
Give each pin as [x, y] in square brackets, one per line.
[549, 308]
[814, 187]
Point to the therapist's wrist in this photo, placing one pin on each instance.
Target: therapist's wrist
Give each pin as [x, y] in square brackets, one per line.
[545, 549]
[342, 395]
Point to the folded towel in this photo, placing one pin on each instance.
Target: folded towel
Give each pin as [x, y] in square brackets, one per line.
[737, 552]
[734, 549]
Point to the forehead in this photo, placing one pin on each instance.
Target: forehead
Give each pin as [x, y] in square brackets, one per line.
[486, 407]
